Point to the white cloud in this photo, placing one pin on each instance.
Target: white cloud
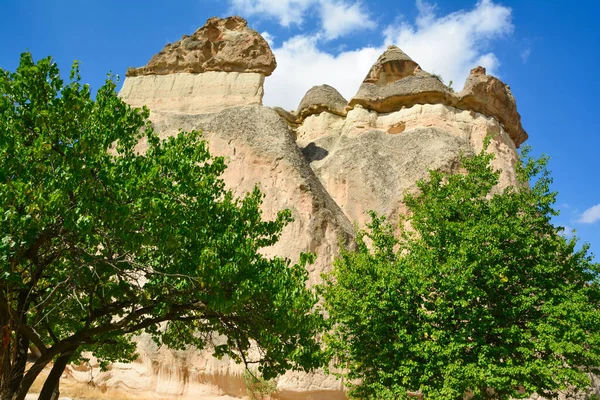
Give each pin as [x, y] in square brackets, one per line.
[567, 232]
[286, 12]
[448, 45]
[453, 44]
[269, 38]
[590, 215]
[301, 65]
[338, 18]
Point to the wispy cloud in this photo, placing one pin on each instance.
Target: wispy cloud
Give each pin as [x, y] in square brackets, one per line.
[286, 12]
[525, 54]
[336, 17]
[269, 38]
[450, 45]
[302, 65]
[590, 215]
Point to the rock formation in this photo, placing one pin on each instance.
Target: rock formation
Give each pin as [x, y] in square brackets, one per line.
[329, 162]
[322, 98]
[221, 65]
[396, 81]
[220, 45]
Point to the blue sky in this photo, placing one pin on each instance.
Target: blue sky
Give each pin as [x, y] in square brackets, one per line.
[547, 51]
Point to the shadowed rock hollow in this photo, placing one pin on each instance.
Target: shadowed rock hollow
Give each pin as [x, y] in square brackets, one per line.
[329, 162]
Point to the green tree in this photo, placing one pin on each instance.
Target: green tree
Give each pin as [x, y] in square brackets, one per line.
[483, 296]
[98, 242]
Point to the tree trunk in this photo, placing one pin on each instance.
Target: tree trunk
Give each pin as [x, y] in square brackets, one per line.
[50, 389]
[30, 376]
[19, 362]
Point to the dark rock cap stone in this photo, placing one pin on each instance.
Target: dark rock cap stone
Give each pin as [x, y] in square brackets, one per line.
[322, 98]
[396, 81]
[220, 45]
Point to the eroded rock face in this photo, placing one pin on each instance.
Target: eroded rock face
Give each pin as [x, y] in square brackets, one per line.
[329, 163]
[322, 98]
[226, 45]
[490, 96]
[222, 65]
[391, 66]
[369, 161]
[208, 92]
[260, 150]
[395, 81]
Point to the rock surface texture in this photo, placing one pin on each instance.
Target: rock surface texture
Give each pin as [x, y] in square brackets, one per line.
[220, 45]
[322, 98]
[329, 163]
[221, 65]
[396, 81]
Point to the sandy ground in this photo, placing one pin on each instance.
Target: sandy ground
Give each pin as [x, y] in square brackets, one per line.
[34, 396]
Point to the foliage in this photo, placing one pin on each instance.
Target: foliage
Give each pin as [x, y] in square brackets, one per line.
[98, 241]
[482, 296]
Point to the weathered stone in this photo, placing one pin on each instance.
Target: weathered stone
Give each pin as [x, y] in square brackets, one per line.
[322, 98]
[260, 150]
[220, 45]
[207, 92]
[395, 81]
[490, 96]
[288, 116]
[417, 88]
[354, 156]
[374, 170]
[391, 66]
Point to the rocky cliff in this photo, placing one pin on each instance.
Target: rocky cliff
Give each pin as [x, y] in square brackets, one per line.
[329, 161]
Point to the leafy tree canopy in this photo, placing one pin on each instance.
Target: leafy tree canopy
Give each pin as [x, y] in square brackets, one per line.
[98, 241]
[482, 296]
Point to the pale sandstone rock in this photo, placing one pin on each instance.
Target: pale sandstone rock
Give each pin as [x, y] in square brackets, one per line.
[490, 96]
[322, 98]
[158, 373]
[374, 170]
[220, 45]
[395, 81]
[260, 150]
[365, 167]
[391, 66]
[193, 93]
[289, 116]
